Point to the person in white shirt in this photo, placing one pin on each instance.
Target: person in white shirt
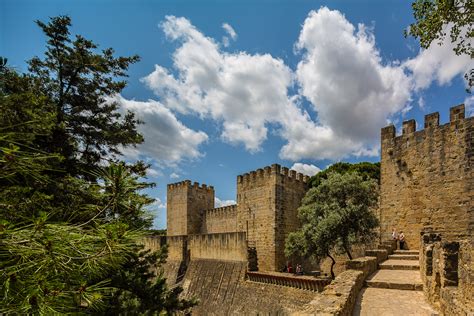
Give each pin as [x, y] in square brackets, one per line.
[401, 239]
[394, 234]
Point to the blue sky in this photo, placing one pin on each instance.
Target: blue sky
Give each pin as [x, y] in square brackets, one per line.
[226, 87]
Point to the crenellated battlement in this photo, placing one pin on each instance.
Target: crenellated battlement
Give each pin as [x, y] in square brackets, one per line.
[431, 122]
[426, 176]
[268, 171]
[188, 183]
[266, 211]
[221, 211]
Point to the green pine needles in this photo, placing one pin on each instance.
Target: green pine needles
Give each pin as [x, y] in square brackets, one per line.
[72, 214]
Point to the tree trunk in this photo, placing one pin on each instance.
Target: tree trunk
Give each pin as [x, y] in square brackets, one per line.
[332, 265]
[348, 253]
[346, 249]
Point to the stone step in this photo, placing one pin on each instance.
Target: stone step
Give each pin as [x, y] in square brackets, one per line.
[403, 257]
[374, 301]
[395, 264]
[395, 279]
[406, 252]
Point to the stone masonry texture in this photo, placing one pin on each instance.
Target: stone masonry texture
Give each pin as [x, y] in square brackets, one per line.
[266, 212]
[427, 178]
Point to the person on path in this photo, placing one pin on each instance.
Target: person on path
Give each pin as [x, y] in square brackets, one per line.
[298, 269]
[401, 239]
[394, 234]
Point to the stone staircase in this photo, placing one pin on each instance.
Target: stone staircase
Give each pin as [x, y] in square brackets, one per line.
[395, 288]
[401, 271]
[402, 260]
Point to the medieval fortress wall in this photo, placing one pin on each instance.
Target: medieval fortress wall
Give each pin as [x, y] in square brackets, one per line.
[266, 211]
[219, 220]
[267, 203]
[427, 178]
[426, 192]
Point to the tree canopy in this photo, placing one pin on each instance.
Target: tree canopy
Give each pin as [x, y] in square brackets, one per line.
[435, 20]
[367, 170]
[78, 82]
[336, 214]
[72, 214]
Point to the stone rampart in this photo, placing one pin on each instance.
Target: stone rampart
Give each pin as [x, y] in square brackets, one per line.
[154, 243]
[339, 297]
[223, 246]
[267, 203]
[177, 247]
[220, 220]
[221, 289]
[427, 178]
[303, 282]
[185, 203]
[447, 274]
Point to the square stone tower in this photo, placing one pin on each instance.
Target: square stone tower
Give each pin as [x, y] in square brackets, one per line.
[185, 204]
[427, 180]
[267, 203]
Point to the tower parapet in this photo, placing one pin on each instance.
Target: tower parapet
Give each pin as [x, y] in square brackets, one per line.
[267, 203]
[220, 220]
[425, 177]
[268, 171]
[185, 203]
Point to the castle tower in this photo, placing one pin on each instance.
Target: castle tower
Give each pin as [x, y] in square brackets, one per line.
[185, 204]
[427, 178]
[267, 203]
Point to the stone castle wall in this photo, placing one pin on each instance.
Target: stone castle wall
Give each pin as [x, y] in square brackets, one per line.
[447, 273]
[177, 247]
[222, 246]
[220, 220]
[267, 203]
[266, 211]
[185, 205]
[291, 187]
[427, 178]
[221, 289]
[256, 213]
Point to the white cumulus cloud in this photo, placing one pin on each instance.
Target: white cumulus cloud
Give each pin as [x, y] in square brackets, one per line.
[230, 30]
[437, 63]
[242, 91]
[153, 172]
[352, 90]
[167, 140]
[220, 203]
[158, 204]
[174, 176]
[307, 169]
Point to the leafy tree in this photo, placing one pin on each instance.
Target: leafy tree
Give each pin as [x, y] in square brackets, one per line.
[70, 227]
[78, 82]
[366, 170]
[437, 19]
[52, 267]
[336, 215]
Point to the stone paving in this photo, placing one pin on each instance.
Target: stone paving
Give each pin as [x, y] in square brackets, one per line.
[396, 279]
[394, 289]
[387, 302]
[400, 264]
